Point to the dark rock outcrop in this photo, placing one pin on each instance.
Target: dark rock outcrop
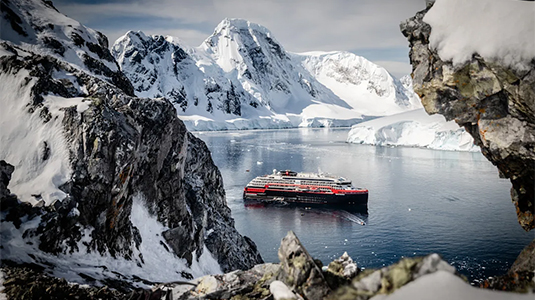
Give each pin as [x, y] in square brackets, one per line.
[5, 176]
[493, 102]
[121, 147]
[28, 283]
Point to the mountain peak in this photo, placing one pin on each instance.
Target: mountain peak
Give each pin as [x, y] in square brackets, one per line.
[239, 31]
[235, 25]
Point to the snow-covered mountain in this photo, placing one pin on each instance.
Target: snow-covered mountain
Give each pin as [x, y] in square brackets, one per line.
[241, 77]
[365, 86]
[107, 188]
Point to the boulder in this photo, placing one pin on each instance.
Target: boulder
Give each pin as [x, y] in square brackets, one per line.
[525, 260]
[251, 284]
[521, 275]
[299, 271]
[340, 271]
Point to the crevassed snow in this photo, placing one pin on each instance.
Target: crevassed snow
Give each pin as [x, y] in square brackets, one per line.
[499, 30]
[158, 264]
[415, 129]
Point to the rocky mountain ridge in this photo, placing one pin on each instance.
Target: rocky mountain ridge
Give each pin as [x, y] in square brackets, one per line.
[107, 187]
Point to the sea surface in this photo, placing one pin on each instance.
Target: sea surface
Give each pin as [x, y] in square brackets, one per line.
[420, 201]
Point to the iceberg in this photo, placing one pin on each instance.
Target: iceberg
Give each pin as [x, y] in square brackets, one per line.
[414, 128]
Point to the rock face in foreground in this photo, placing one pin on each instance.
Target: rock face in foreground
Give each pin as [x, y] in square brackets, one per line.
[494, 103]
[521, 275]
[299, 271]
[297, 276]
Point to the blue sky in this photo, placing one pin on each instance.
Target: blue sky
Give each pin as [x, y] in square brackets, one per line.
[369, 28]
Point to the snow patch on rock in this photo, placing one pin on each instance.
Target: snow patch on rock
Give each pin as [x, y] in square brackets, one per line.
[443, 285]
[498, 30]
[37, 148]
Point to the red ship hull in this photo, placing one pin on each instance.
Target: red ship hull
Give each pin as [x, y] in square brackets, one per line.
[307, 197]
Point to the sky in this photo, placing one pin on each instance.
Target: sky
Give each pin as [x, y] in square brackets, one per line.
[369, 28]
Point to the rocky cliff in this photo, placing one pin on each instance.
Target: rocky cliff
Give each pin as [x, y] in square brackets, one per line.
[494, 102]
[110, 187]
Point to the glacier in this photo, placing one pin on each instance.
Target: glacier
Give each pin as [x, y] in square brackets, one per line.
[414, 129]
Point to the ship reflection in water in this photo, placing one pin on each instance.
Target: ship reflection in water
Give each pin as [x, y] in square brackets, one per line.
[356, 214]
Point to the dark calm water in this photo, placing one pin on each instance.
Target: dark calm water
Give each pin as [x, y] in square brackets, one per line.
[421, 201]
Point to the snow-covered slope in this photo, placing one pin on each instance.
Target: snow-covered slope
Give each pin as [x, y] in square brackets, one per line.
[365, 86]
[241, 77]
[63, 38]
[413, 128]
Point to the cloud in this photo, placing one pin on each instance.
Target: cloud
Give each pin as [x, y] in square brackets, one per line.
[298, 25]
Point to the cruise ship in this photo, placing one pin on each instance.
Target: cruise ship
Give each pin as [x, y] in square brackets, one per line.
[304, 188]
